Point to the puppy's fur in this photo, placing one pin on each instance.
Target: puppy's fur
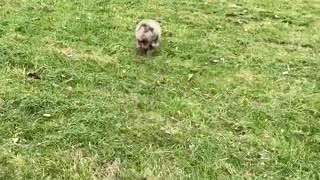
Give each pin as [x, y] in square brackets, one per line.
[148, 34]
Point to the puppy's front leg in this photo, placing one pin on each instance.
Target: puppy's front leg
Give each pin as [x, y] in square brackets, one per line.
[155, 42]
[150, 52]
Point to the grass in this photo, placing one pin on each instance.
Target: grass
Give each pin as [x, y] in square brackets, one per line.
[233, 94]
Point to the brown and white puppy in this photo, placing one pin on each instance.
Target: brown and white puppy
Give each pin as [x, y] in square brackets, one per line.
[148, 34]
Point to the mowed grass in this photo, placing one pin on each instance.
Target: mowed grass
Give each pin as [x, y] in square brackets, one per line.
[233, 93]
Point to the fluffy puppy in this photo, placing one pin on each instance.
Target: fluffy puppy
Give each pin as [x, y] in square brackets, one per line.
[148, 34]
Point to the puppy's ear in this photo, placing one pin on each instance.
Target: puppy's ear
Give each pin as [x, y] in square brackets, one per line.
[138, 21]
[159, 21]
[156, 39]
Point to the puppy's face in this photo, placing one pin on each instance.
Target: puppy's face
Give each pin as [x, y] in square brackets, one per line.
[144, 37]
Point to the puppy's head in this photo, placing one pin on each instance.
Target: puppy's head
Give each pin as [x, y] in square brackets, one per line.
[144, 37]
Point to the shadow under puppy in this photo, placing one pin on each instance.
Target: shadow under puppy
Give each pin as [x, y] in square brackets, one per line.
[148, 34]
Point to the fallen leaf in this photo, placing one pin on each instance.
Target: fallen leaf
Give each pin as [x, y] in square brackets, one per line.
[285, 73]
[33, 76]
[190, 76]
[69, 88]
[68, 53]
[47, 115]
[160, 82]
[240, 130]
[15, 140]
[215, 61]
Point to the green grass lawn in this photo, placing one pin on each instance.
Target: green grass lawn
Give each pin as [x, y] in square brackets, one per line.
[234, 92]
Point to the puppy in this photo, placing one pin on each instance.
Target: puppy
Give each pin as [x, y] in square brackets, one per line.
[148, 34]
